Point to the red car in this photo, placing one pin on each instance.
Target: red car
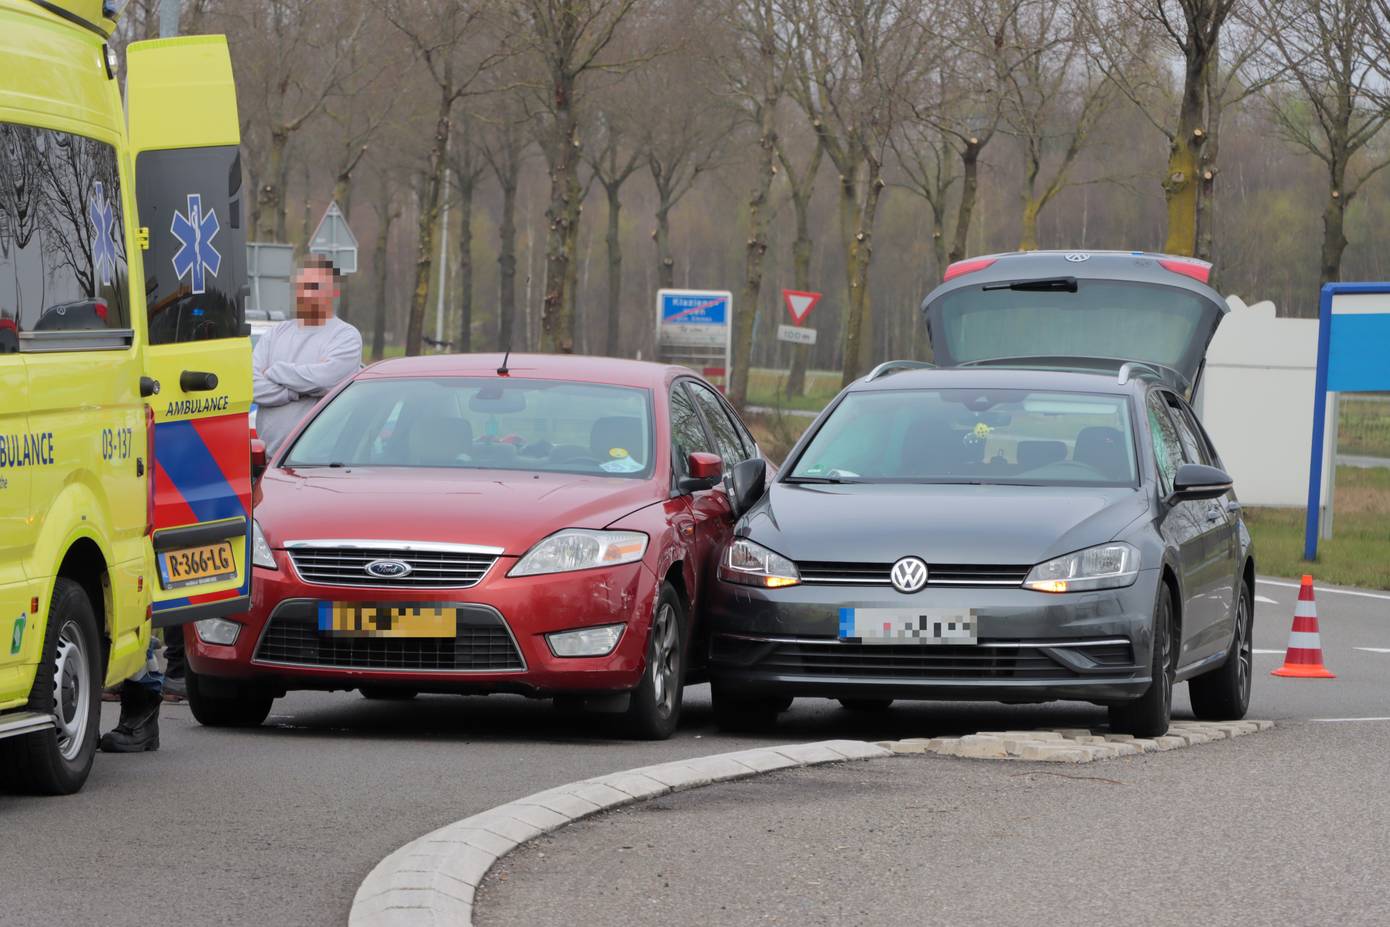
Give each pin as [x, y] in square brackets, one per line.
[444, 524]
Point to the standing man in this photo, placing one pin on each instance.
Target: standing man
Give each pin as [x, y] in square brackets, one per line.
[296, 362]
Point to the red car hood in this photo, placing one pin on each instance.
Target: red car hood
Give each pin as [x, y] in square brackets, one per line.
[493, 508]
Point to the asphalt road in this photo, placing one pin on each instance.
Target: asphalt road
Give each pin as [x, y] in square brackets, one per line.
[279, 825]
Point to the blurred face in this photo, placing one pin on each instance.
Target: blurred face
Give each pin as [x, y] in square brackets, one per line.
[315, 288]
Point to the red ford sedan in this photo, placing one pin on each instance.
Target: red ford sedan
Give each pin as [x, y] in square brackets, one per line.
[439, 524]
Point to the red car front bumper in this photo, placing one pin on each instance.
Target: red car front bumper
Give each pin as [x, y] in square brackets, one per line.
[279, 643]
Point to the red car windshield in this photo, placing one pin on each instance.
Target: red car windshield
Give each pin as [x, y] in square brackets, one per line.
[482, 423]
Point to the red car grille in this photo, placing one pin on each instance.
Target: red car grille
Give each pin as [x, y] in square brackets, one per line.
[481, 644]
[429, 569]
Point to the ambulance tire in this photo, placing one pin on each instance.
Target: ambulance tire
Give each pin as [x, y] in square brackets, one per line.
[68, 686]
[226, 702]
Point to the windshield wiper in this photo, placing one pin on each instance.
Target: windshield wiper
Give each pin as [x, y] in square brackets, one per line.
[1045, 285]
[818, 479]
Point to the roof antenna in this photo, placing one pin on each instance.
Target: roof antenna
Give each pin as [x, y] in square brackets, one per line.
[502, 371]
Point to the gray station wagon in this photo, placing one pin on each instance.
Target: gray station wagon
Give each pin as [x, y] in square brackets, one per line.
[1040, 517]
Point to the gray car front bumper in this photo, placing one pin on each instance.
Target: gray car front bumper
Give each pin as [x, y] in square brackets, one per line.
[1033, 646]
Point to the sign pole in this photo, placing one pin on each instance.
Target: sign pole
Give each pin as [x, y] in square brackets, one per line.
[1310, 533]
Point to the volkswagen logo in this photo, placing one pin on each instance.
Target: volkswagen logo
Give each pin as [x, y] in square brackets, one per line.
[1076, 257]
[909, 574]
[388, 569]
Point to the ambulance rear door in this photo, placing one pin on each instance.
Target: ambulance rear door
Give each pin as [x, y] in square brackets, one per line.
[185, 138]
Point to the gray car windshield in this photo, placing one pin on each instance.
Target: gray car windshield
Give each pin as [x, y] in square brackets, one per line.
[482, 423]
[973, 436]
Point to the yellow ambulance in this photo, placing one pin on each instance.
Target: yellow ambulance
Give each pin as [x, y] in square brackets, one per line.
[125, 488]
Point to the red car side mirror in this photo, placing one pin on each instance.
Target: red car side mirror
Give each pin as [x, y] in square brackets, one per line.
[258, 458]
[705, 471]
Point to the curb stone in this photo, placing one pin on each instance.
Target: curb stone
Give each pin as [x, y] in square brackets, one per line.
[432, 879]
[1073, 745]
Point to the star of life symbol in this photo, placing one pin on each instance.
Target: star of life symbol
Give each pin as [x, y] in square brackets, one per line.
[195, 232]
[103, 219]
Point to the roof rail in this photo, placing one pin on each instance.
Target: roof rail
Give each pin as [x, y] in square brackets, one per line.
[1132, 368]
[893, 366]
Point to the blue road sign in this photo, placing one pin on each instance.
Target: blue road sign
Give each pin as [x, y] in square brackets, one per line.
[1353, 356]
[694, 308]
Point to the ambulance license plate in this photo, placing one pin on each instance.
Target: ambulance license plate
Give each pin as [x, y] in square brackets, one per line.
[909, 625]
[196, 566]
[368, 619]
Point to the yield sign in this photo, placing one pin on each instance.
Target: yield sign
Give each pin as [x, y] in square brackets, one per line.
[335, 241]
[800, 304]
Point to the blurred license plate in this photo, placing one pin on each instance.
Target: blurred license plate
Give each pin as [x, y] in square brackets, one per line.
[194, 566]
[363, 619]
[909, 625]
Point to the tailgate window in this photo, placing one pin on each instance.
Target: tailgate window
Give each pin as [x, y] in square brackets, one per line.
[1117, 319]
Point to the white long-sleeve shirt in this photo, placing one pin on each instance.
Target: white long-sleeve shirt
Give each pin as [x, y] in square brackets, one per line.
[295, 364]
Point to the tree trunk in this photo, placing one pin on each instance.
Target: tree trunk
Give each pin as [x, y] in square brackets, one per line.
[506, 260]
[557, 313]
[427, 238]
[801, 280]
[282, 206]
[969, 188]
[1334, 239]
[342, 195]
[665, 264]
[756, 248]
[379, 261]
[466, 185]
[572, 278]
[1028, 237]
[1181, 186]
[270, 196]
[859, 319]
[611, 341]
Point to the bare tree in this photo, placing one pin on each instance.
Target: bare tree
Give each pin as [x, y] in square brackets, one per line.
[445, 36]
[753, 71]
[851, 58]
[504, 144]
[567, 39]
[1332, 101]
[468, 165]
[292, 57]
[613, 161]
[388, 210]
[1054, 96]
[801, 186]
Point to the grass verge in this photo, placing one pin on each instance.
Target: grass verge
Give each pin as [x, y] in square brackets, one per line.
[1358, 553]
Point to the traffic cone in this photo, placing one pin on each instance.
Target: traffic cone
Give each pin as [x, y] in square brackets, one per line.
[1304, 657]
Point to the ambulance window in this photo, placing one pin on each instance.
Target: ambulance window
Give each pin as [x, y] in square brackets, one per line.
[195, 268]
[62, 243]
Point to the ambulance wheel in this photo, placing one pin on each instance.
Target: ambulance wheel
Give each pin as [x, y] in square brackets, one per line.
[1223, 694]
[227, 702]
[67, 687]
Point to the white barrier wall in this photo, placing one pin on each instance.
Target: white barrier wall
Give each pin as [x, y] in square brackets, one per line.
[1256, 402]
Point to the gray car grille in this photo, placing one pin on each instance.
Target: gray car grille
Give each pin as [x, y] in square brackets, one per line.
[429, 569]
[827, 573]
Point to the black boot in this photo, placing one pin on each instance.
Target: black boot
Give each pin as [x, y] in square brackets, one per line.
[138, 729]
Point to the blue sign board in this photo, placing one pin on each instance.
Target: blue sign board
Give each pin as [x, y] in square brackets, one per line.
[694, 308]
[1353, 356]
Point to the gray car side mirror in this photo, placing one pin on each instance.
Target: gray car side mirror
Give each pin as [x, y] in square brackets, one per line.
[749, 479]
[1198, 481]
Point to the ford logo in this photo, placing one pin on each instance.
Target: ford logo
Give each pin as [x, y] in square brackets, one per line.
[388, 569]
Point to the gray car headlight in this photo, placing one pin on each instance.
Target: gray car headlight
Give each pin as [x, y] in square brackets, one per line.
[754, 565]
[581, 549]
[261, 554]
[1108, 566]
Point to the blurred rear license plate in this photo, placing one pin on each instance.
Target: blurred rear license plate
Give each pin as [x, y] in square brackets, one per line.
[909, 625]
[195, 566]
[365, 619]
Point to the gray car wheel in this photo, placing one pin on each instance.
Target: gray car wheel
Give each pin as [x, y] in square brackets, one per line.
[1149, 714]
[67, 687]
[1224, 693]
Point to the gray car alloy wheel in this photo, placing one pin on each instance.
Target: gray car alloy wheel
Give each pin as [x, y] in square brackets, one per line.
[72, 691]
[665, 663]
[1245, 652]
